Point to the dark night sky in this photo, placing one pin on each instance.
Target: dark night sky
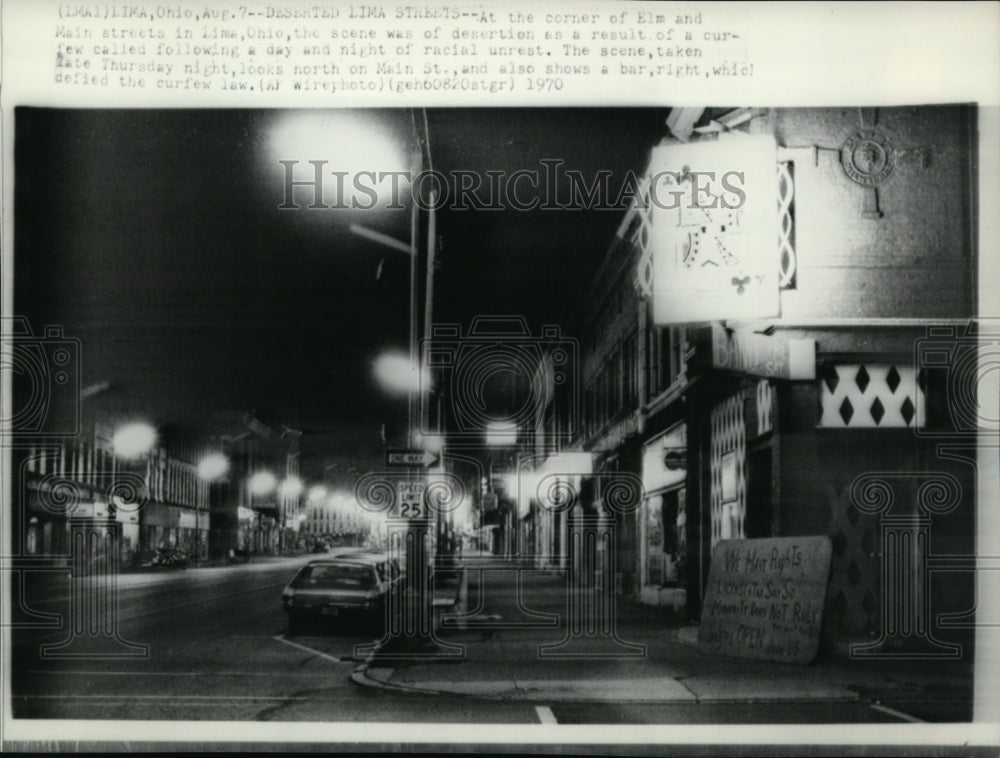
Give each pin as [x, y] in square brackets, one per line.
[155, 238]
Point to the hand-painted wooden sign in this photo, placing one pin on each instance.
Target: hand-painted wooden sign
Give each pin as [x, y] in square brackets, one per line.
[765, 598]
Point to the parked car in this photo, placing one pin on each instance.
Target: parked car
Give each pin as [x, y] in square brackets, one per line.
[161, 558]
[352, 588]
[172, 557]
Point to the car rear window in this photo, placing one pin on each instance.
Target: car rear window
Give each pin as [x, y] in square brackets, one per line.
[336, 578]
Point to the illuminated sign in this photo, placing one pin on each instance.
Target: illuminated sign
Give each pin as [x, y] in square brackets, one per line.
[762, 355]
[714, 229]
[664, 460]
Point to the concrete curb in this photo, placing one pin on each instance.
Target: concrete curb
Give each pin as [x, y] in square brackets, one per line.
[660, 691]
[360, 674]
[360, 677]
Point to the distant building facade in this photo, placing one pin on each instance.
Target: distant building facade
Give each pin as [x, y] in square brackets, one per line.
[156, 498]
[246, 521]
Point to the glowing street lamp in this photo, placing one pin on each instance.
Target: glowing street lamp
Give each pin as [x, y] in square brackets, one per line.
[371, 166]
[400, 375]
[213, 466]
[133, 440]
[432, 443]
[262, 483]
[291, 487]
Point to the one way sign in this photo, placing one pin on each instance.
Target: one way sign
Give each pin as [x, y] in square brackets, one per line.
[410, 458]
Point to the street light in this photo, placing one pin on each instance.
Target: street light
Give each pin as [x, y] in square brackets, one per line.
[400, 375]
[343, 149]
[130, 441]
[290, 487]
[213, 466]
[133, 440]
[316, 136]
[288, 493]
[262, 483]
[431, 442]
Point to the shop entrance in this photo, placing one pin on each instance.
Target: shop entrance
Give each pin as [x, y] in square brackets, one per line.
[759, 493]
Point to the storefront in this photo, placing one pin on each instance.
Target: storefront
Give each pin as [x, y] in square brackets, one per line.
[192, 535]
[47, 523]
[204, 522]
[663, 516]
[246, 529]
[172, 526]
[128, 518]
[48, 529]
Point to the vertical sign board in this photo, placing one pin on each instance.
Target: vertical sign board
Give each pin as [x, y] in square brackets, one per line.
[713, 208]
[765, 598]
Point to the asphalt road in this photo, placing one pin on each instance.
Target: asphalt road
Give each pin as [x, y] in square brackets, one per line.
[219, 650]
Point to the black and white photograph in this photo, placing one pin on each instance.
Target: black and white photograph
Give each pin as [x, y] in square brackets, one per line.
[357, 424]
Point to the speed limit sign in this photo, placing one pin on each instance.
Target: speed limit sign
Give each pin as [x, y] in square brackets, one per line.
[410, 500]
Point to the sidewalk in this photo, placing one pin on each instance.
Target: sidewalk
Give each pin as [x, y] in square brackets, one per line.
[511, 631]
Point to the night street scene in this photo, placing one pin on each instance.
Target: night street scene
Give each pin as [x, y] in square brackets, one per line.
[635, 416]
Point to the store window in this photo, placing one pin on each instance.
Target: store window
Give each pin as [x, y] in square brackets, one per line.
[664, 474]
[665, 538]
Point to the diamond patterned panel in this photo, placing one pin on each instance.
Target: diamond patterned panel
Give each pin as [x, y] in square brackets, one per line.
[854, 570]
[856, 396]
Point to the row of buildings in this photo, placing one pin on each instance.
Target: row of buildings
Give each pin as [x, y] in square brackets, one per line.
[848, 408]
[226, 488]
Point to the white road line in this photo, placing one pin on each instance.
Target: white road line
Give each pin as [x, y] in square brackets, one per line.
[545, 715]
[897, 714]
[281, 638]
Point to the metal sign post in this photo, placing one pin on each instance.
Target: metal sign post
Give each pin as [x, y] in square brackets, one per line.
[410, 505]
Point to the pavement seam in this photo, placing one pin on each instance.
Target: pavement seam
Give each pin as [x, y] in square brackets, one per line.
[304, 648]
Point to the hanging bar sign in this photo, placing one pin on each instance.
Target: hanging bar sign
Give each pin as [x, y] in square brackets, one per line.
[714, 229]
